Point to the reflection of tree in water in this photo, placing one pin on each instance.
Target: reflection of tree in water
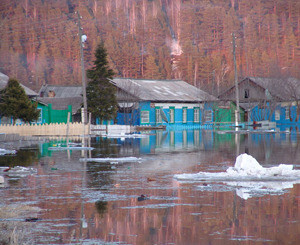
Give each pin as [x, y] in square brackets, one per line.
[104, 147]
[99, 173]
[23, 158]
[101, 207]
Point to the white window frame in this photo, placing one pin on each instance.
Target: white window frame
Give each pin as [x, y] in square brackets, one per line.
[208, 115]
[40, 118]
[277, 115]
[145, 117]
[184, 115]
[287, 113]
[172, 115]
[158, 118]
[196, 114]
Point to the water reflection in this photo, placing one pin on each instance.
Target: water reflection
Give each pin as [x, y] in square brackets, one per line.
[98, 203]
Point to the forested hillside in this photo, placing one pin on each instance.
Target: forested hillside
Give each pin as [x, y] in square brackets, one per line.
[161, 39]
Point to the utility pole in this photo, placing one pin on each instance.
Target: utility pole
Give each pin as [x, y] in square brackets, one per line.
[82, 71]
[237, 113]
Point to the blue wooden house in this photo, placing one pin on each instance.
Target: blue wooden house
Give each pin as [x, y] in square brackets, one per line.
[172, 103]
[272, 99]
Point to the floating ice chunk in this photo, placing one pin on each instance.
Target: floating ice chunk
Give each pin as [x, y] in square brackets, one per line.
[247, 162]
[112, 160]
[123, 135]
[18, 171]
[247, 168]
[1, 180]
[65, 148]
[249, 178]
[6, 152]
[243, 193]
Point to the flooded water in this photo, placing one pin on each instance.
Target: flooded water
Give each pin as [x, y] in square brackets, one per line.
[65, 199]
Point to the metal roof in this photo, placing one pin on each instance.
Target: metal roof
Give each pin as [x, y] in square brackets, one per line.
[3, 82]
[62, 103]
[284, 88]
[162, 90]
[61, 91]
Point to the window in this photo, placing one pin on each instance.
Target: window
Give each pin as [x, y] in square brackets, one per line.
[172, 115]
[247, 93]
[184, 114]
[158, 115]
[40, 116]
[277, 115]
[196, 114]
[144, 117]
[208, 116]
[287, 113]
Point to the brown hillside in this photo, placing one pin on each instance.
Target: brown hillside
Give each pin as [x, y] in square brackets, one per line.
[186, 39]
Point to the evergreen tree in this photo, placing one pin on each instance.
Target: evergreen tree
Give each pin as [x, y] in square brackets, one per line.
[101, 98]
[15, 103]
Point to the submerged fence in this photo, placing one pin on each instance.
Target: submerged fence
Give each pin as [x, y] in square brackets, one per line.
[62, 129]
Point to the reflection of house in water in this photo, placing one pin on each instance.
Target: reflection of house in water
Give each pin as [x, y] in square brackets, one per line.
[176, 141]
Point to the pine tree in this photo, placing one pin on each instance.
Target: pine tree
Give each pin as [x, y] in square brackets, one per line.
[15, 103]
[101, 98]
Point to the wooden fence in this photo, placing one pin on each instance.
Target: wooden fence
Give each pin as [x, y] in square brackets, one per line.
[52, 129]
[60, 129]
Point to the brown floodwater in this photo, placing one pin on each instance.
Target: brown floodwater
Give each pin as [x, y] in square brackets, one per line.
[67, 200]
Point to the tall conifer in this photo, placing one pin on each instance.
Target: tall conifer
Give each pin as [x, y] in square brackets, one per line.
[15, 103]
[101, 98]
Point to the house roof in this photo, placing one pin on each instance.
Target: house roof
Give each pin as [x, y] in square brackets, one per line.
[284, 89]
[3, 82]
[62, 103]
[60, 91]
[162, 90]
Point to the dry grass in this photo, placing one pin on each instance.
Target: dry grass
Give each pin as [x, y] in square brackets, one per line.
[13, 229]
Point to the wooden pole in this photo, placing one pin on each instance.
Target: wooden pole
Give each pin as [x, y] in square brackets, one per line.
[237, 113]
[82, 71]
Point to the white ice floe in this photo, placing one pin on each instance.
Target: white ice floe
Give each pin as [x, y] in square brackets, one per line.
[249, 178]
[246, 168]
[1, 179]
[7, 152]
[122, 135]
[65, 148]
[18, 171]
[112, 160]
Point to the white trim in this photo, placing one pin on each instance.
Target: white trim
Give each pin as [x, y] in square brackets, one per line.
[178, 105]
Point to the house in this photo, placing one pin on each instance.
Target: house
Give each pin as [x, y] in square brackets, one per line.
[59, 100]
[276, 100]
[162, 102]
[3, 82]
[29, 92]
